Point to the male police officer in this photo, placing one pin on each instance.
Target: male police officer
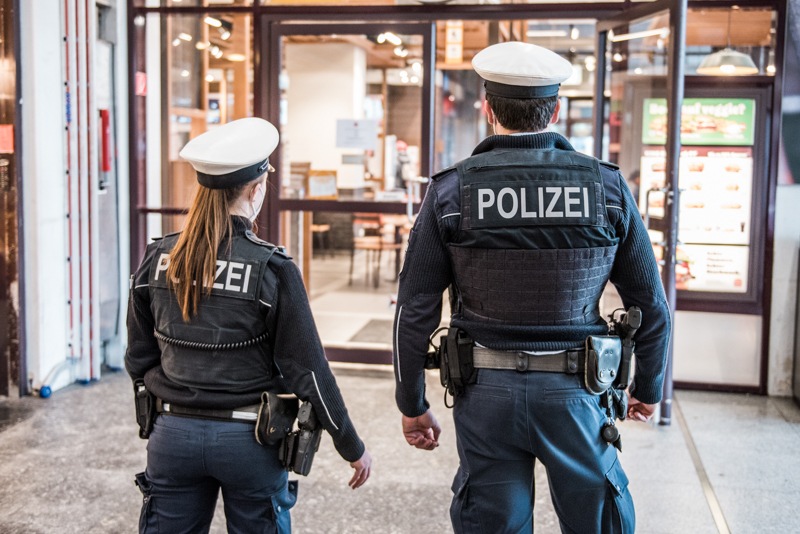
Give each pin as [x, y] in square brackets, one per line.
[526, 233]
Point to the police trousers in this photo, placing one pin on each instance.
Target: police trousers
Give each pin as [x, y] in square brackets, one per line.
[190, 460]
[507, 420]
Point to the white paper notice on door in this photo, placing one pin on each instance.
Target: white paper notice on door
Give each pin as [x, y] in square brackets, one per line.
[357, 133]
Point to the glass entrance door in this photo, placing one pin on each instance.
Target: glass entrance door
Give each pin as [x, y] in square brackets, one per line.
[641, 54]
[350, 102]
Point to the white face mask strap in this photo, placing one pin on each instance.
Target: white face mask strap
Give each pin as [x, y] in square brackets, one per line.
[255, 205]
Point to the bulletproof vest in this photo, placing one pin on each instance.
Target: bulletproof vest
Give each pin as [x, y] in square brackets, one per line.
[225, 346]
[534, 246]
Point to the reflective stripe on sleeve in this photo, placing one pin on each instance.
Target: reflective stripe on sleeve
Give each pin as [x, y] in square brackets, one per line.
[314, 377]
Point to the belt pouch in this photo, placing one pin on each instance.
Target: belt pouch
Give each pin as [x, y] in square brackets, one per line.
[603, 356]
[276, 417]
[145, 403]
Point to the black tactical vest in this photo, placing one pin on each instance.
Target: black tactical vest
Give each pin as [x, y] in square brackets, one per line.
[534, 246]
[226, 346]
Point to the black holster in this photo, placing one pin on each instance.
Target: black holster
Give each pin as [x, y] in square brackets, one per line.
[145, 403]
[276, 417]
[297, 449]
[454, 358]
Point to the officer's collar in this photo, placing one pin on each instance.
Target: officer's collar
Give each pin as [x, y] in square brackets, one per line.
[533, 140]
[240, 224]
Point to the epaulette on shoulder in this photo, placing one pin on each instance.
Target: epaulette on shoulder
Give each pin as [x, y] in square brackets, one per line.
[279, 250]
[439, 175]
[612, 166]
[165, 236]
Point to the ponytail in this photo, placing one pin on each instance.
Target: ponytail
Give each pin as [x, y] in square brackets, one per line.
[193, 260]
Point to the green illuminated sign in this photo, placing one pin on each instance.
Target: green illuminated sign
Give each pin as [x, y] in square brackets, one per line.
[704, 121]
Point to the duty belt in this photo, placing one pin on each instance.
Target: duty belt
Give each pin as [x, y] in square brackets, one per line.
[566, 361]
[243, 413]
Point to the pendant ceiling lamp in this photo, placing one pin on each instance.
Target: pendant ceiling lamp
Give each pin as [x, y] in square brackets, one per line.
[727, 62]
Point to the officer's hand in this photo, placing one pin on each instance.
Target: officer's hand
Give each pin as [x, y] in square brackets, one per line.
[422, 431]
[362, 467]
[639, 411]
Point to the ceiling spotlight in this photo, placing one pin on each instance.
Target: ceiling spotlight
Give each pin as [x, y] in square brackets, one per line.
[211, 21]
[381, 38]
[185, 36]
[574, 33]
[400, 51]
[209, 78]
[176, 42]
[236, 57]
[225, 29]
[392, 38]
[201, 45]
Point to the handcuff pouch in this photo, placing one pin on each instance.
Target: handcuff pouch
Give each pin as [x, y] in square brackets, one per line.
[603, 356]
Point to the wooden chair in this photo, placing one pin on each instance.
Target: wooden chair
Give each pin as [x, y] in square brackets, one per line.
[370, 236]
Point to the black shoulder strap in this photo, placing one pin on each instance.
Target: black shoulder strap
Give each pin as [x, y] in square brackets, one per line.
[273, 249]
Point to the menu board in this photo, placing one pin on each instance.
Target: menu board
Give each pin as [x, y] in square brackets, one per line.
[716, 190]
[704, 121]
[715, 176]
[715, 268]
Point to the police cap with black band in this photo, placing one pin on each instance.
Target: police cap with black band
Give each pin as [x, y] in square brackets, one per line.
[521, 70]
[232, 154]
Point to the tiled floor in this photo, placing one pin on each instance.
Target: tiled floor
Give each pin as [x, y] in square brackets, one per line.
[67, 466]
[728, 463]
[342, 310]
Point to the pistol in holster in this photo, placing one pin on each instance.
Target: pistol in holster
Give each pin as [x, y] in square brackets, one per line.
[274, 426]
[145, 403]
[453, 358]
[298, 449]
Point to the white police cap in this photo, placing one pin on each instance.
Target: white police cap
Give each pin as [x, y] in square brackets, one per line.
[521, 70]
[232, 154]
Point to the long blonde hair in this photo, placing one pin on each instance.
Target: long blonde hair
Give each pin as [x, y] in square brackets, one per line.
[193, 260]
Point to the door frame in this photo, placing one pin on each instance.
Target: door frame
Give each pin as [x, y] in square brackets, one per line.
[269, 32]
[676, 56]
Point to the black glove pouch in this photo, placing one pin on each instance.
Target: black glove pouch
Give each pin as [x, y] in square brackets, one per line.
[275, 417]
[603, 356]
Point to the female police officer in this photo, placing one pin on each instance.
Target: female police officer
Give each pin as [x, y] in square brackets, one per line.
[216, 317]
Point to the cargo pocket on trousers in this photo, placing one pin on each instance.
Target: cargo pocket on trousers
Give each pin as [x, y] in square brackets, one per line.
[458, 507]
[147, 519]
[281, 504]
[619, 514]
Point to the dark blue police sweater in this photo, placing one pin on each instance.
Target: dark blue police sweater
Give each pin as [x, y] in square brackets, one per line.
[427, 273]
